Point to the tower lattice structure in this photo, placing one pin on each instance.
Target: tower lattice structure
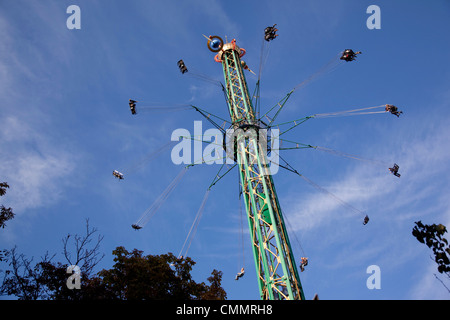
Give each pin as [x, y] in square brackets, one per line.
[277, 274]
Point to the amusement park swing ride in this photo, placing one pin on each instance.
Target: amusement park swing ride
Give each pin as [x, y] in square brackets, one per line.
[248, 148]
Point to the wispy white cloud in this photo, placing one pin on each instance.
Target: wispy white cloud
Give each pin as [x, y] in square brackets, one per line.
[423, 158]
[34, 160]
[34, 165]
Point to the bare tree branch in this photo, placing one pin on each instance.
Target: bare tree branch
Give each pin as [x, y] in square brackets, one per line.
[87, 256]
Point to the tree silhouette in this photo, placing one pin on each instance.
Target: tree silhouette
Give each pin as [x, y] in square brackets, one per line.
[433, 237]
[5, 213]
[133, 276]
[47, 279]
[161, 277]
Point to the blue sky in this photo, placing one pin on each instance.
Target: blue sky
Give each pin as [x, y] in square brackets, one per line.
[66, 125]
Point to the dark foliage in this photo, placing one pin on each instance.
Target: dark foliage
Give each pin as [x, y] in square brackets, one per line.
[5, 213]
[161, 277]
[133, 277]
[433, 237]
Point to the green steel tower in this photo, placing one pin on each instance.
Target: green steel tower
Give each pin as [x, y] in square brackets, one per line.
[278, 277]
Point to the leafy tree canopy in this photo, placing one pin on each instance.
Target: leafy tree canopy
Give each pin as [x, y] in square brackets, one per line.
[433, 237]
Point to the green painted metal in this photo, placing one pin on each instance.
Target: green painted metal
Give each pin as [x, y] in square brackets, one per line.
[278, 277]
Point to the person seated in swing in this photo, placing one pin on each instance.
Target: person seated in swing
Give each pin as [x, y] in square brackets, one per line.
[393, 109]
[366, 220]
[349, 55]
[303, 263]
[132, 104]
[270, 33]
[136, 227]
[117, 174]
[394, 170]
[182, 66]
[240, 274]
